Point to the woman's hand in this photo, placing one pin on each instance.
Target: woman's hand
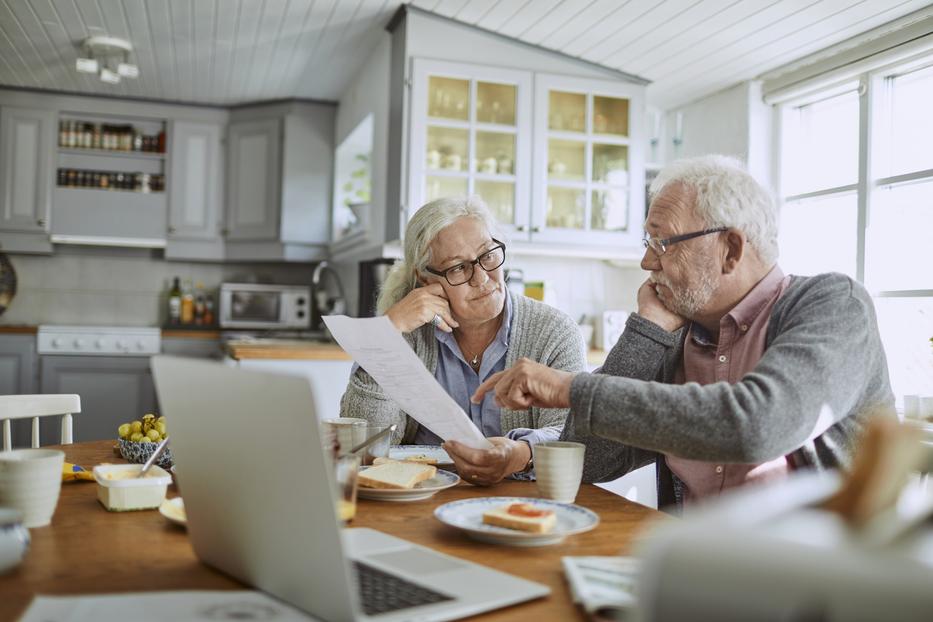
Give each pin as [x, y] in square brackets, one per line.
[419, 307]
[527, 384]
[486, 467]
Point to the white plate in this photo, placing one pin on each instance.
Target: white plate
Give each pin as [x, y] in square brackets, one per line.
[467, 515]
[401, 452]
[174, 510]
[422, 490]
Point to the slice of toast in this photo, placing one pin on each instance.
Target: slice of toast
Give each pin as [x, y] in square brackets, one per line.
[502, 517]
[396, 475]
[419, 458]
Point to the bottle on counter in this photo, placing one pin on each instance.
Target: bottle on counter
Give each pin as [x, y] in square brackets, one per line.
[199, 304]
[187, 305]
[174, 303]
[208, 309]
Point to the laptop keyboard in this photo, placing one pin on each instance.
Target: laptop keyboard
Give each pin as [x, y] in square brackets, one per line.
[382, 592]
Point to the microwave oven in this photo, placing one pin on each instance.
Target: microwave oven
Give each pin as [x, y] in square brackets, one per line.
[250, 305]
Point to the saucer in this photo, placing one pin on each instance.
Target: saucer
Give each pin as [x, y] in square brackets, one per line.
[422, 490]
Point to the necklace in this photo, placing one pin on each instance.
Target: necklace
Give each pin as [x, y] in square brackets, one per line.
[474, 362]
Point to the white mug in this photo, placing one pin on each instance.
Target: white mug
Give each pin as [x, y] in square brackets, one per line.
[559, 469]
[30, 480]
[349, 431]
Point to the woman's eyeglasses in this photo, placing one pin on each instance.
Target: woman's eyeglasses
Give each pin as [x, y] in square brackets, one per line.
[463, 272]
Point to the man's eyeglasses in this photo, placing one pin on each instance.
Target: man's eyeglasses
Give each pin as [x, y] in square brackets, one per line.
[463, 272]
[659, 246]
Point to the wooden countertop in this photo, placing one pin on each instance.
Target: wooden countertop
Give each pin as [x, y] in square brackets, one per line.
[13, 329]
[87, 550]
[285, 349]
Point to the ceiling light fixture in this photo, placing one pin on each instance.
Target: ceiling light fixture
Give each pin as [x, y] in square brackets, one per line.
[109, 57]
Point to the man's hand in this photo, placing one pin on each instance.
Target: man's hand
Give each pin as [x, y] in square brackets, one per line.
[652, 309]
[528, 384]
[419, 307]
[485, 467]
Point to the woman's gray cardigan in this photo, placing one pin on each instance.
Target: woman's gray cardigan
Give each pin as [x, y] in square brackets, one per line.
[538, 332]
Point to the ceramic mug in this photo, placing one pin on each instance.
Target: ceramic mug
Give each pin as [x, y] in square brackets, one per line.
[559, 469]
[489, 166]
[30, 480]
[348, 431]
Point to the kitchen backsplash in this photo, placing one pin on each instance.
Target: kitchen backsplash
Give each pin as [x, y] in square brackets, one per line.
[122, 287]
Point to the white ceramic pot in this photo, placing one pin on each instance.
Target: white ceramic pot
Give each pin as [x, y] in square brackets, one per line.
[30, 480]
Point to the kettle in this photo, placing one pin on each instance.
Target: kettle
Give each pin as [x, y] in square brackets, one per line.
[327, 294]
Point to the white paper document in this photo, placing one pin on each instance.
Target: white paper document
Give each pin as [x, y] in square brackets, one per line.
[380, 349]
[603, 584]
[181, 606]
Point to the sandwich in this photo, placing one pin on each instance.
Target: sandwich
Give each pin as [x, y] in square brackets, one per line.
[522, 517]
[419, 458]
[396, 475]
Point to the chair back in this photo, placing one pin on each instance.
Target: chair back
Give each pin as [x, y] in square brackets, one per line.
[35, 406]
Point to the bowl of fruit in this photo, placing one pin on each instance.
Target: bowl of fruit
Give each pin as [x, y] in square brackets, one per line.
[138, 439]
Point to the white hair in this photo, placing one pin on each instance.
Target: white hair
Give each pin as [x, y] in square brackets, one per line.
[424, 226]
[727, 196]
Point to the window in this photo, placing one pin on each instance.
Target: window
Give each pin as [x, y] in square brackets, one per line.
[857, 197]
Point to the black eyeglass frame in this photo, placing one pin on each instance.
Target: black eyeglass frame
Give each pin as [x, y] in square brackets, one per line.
[650, 242]
[472, 264]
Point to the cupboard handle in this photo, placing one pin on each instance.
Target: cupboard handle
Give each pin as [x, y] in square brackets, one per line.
[41, 222]
[224, 232]
[536, 229]
[171, 229]
[520, 227]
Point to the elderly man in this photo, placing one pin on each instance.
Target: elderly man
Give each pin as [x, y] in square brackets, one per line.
[731, 372]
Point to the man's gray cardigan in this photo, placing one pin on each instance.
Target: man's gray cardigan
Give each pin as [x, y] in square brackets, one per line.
[822, 373]
[538, 332]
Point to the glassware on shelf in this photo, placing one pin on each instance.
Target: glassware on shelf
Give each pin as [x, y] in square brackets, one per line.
[495, 103]
[565, 207]
[495, 152]
[566, 159]
[448, 98]
[567, 111]
[610, 115]
[452, 147]
[610, 164]
[437, 187]
[500, 197]
[609, 210]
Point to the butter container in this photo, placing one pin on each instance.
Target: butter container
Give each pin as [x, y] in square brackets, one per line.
[119, 490]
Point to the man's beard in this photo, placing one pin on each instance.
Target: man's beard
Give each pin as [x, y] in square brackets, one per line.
[687, 301]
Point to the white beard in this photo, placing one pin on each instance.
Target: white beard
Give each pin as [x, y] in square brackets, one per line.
[689, 300]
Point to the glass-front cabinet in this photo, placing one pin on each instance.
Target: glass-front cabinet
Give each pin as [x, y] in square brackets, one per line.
[589, 171]
[471, 133]
[560, 162]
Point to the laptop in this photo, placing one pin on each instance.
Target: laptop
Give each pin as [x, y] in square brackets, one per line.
[260, 506]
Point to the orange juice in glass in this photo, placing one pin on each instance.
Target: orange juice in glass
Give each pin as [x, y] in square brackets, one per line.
[346, 469]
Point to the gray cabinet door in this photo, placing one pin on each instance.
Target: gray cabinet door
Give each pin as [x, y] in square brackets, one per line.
[18, 374]
[113, 390]
[26, 152]
[195, 186]
[254, 179]
[192, 347]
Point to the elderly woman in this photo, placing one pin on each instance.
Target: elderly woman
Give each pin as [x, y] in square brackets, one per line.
[448, 298]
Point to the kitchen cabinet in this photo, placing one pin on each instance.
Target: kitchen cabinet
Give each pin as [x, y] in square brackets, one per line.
[26, 163]
[113, 390]
[18, 376]
[195, 217]
[195, 347]
[558, 159]
[471, 132]
[279, 177]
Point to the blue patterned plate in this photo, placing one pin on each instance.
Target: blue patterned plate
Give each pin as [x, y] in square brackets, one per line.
[433, 452]
[467, 515]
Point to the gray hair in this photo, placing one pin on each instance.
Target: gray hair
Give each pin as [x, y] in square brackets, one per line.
[423, 227]
[727, 196]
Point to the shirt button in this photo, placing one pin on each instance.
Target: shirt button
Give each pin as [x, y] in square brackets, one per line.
[744, 327]
[722, 358]
[719, 469]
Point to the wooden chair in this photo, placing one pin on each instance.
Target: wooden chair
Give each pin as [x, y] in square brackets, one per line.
[35, 406]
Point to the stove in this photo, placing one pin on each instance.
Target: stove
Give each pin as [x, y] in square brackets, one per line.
[99, 340]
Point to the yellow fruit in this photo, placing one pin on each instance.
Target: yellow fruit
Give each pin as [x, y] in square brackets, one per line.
[124, 430]
[136, 426]
[160, 427]
[154, 435]
[160, 420]
[145, 439]
[136, 437]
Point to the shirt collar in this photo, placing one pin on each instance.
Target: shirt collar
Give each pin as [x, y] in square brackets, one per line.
[751, 306]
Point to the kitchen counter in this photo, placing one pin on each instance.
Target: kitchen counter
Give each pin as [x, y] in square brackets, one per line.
[18, 330]
[286, 349]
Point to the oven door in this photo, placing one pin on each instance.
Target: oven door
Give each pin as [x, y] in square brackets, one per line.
[251, 308]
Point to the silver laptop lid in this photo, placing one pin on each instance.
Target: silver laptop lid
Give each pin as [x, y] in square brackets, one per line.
[279, 536]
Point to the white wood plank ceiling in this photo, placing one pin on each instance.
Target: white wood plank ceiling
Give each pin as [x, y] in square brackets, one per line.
[233, 51]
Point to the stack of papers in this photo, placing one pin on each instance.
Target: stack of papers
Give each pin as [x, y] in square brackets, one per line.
[604, 586]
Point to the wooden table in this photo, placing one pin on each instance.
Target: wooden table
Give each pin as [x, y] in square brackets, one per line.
[89, 550]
